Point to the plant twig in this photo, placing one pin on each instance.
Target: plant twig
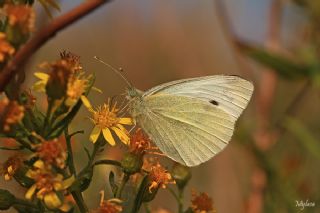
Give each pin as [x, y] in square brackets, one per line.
[292, 108]
[40, 38]
[125, 179]
[107, 162]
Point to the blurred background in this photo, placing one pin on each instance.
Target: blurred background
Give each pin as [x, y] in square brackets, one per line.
[272, 163]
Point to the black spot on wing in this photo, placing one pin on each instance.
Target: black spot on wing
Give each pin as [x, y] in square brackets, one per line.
[214, 102]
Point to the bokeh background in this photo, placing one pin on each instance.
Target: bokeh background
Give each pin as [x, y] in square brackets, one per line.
[273, 160]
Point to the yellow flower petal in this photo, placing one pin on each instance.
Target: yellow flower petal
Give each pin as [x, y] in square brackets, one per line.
[95, 134]
[96, 89]
[86, 103]
[42, 76]
[122, 128]
[68, 182]
[65, 207]
[52, 200]
[39, 86]
[30, 192]
[122, 135]
[39, 164]
[108, 136]
[126, 121]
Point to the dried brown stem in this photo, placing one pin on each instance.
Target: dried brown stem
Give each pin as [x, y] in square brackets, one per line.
[40, 38]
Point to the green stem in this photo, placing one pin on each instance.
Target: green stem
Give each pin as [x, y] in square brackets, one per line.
[180, 201]
[25, 144]
[24, 203]
[71, 166]
[80, 202]
[125, 179]
[147, 208]
[179, 198]
[48, 115]
[11, 148]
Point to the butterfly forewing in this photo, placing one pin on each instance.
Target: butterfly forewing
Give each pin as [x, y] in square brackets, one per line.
[230, 93]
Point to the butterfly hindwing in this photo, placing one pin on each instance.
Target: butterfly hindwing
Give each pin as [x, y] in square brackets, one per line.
[188, 130]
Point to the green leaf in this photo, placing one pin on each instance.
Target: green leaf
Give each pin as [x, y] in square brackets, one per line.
[283, 66]
[308, 141]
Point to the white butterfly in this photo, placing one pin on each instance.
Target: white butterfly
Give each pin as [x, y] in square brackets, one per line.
[191, 120]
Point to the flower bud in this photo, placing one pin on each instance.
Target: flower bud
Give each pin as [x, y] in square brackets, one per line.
[181, 174]
[6, 199]
[131, 163]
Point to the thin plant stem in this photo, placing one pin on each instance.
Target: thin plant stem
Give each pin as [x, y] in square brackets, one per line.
[48, 116]
[180, 201]
[24, 203]
[107, 162]
[125, 179]
[77, 196]
[12, 148]
[178, 197]
[292, 107]
[71, 166]
[147, 208]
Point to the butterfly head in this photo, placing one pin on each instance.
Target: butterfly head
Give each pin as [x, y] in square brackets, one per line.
[133, 93]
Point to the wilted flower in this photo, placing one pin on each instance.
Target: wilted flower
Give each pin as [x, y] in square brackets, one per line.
[139, 143]
[53, 152]
[105, 119]
[72, 59]
[11, 113]
[159, 177]
[20, 15]
[10, 166]
[5, 47]
[201, 203]
[47, 184]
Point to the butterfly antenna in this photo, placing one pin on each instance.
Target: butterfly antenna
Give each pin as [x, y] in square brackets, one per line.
[118, 71]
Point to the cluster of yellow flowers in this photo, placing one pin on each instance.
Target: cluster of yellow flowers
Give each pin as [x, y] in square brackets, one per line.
[49, 169]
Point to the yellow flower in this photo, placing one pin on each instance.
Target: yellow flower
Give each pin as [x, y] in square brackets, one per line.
[47, 184]
[105, 119]
[77, 85]
[65, 80]
[5, 47]
[11, 112]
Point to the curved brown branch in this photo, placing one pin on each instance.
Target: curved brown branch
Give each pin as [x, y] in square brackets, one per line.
[40, 38]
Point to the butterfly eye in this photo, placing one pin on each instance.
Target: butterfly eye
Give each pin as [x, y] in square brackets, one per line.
[214, 102]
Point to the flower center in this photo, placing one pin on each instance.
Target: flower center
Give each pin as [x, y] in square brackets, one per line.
[105, 118]
[76, 88]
